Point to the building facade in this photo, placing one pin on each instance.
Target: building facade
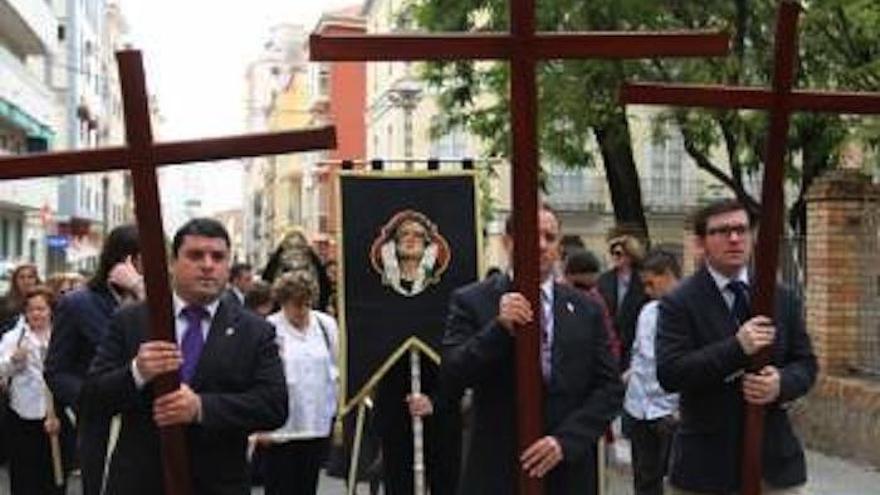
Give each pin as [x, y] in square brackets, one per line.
[266, 78]
[28, 52]
[90, 116]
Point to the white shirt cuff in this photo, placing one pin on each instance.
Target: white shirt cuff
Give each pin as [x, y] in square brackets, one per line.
[139, 380]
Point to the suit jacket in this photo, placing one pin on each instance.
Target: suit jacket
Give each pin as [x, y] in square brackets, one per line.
[81, 320]
[242, 388]
[626, 312]
[230, 296]
[583, 395]
[699, 357]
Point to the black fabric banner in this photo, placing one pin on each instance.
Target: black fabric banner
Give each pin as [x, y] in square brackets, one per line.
[408, 241]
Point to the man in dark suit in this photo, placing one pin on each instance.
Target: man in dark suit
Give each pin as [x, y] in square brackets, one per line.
[232, 380]
[583, 388]
[81, 320]
[241, 280]
[623, 290]
[705, 339]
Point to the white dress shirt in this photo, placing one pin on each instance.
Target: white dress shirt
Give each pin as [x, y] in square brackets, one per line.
[27, 388]
[311, 375]
[645, 399]
[722, 282]
[547, 327]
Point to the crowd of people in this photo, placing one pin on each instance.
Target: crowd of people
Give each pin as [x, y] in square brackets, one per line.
[259, 364]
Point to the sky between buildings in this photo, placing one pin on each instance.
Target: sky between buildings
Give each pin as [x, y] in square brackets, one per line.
[196, 53]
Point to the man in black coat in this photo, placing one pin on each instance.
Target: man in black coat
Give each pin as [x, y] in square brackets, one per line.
[705, 339]
[232, 380]
[583, 391]
[81, 320]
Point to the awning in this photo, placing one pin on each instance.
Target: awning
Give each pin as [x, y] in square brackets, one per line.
[24, 121]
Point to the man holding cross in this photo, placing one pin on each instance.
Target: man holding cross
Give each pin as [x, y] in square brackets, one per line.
[583, 388]
[705, 338]
[232, 382]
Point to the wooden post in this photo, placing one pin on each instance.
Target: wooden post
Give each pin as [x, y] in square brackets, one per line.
[141, 156]
[780, 101]
[523, 47]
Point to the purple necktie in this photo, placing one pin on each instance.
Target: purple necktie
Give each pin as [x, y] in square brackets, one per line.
[193, 341]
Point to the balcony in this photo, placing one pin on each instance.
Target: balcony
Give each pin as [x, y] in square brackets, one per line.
[24, 99]
[29, 25]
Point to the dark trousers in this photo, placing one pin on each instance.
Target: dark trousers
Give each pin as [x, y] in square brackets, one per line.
[293, 467]
[30, 458]
[650, 441]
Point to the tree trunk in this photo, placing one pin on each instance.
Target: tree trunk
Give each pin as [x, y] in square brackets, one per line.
[621, 174]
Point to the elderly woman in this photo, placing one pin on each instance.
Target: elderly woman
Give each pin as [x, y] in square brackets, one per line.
[29, 424]
[307, 341]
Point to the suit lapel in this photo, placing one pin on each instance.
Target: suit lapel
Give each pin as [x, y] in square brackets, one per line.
[718, 310]
[215, 342]
[561, 314]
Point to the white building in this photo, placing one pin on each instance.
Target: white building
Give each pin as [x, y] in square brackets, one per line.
[265, 79]
[28, 50]
[87, 85]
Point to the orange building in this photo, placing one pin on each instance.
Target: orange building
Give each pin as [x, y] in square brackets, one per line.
[338, 98]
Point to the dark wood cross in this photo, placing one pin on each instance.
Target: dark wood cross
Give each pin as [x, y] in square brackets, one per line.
[141, 156]
[524, 48]
[781, 101]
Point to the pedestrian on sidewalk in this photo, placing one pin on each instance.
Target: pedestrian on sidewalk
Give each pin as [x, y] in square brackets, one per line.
[654, 411]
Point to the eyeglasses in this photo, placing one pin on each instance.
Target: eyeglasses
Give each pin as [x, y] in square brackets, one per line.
[727, 230]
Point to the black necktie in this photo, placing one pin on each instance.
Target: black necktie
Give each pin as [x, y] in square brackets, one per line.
[741, 310]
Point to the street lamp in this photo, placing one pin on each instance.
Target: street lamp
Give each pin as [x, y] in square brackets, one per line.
[406, 95]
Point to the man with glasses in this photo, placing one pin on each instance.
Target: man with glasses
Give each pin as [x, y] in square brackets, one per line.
[705, 339]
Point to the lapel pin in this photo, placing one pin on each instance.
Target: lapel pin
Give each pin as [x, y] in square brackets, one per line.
[570, 307]
[230, 332]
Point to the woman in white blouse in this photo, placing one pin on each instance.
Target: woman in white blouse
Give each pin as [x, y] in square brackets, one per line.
[29, 426]
[307, 341]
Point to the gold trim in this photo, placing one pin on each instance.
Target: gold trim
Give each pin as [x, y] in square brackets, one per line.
[413, 342]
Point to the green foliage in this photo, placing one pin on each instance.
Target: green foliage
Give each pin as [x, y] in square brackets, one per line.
[838, 50]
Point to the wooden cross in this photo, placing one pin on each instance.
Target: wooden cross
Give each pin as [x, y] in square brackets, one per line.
[524, 48]
[781, 101]
[141, 156]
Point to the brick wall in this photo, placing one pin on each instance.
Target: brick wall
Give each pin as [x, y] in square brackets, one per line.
[842, 414]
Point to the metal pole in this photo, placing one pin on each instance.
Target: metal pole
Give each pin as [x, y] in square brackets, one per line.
[356, 450]
[417, 425]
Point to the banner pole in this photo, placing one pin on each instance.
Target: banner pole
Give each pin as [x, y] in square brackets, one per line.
[356, 449]
[417, 425]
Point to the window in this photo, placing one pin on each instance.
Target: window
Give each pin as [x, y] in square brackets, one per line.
[453, 144]
[324, 80]
[665, 156]
[4, 232]
[32, 251]
[567, 187]
[19, 238]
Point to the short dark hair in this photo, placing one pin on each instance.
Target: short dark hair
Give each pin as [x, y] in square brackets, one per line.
[702, 216]
[202, 227]
[582, 261]
[508, 223]
[258, 295]
[238, 268]
[660, 261]
[122, 242]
